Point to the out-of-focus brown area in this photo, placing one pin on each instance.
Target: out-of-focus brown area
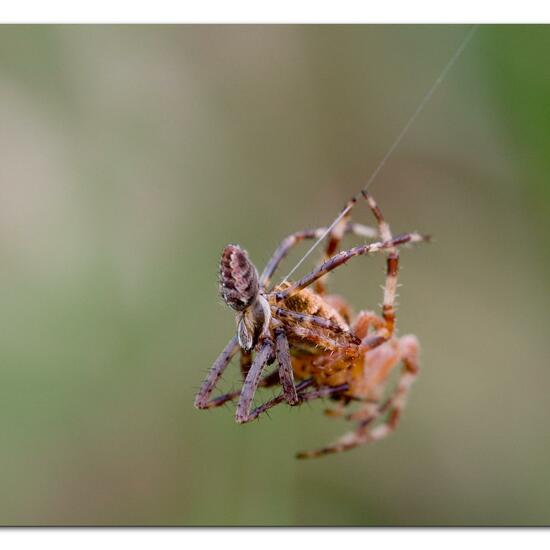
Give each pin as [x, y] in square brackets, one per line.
[129, 156]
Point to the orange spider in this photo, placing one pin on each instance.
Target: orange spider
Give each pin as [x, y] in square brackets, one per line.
[313, 338]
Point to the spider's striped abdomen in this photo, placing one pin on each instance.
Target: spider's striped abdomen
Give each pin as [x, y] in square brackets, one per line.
[239, 284]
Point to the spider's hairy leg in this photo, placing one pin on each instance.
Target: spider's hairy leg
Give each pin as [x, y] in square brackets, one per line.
[318, 393]
[392, 265]
[363, 322]
[292, 240]
[272, 379]
[346, 255]
[348, 344]
[337, 232]
[252, 380]
[345, 226]
[349, 441]
[303, 318]
[286, 373]
[408, 349]
[345, 443]
[334, 239]
[333, 246]
[283, 249]
[295, 238]
[393, 406]
[278, 399]
[220, 364]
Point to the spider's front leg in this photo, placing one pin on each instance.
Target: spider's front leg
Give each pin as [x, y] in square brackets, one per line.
[262, 358]
[335, 237]
[251, 383]
[343, 257]
[220, 364]
[272, 379]
[283, 249]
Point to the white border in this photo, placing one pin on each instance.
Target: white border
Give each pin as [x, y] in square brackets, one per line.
[281, 11]
[239, 539]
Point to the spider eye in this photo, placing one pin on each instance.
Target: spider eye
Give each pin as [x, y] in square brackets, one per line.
[239, 284]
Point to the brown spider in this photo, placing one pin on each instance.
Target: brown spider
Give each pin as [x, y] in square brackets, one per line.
[312, 336]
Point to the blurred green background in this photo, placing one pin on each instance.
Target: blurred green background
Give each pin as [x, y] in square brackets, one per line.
[129, 156]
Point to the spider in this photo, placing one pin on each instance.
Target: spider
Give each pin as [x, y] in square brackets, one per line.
[313, 337]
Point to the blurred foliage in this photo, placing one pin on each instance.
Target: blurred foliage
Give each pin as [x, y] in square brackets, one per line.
[129, 156]
[517, 68]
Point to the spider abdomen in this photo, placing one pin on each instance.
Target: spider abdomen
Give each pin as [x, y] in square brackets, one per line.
[239, 284]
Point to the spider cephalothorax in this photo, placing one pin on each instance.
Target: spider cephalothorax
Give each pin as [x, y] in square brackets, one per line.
[314, 337]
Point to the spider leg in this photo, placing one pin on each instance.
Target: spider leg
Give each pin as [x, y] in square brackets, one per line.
[336, 235]
[346, 255]
[286, 374]
[283, 249]
[295, 238]
[363, 322]
[393, 405]
[271, 379]
[345, 226]
[314, 320]
[335, 238]
[220, 364]
[345, 443]
[252, 381]
[324, 391]
[327, 342]
[366, 319]
[348, 441]
[338, 231]
[202, 401]
[278, 399]
[392, 266]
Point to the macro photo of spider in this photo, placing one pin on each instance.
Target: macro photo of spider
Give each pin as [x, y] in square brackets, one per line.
[321, 350]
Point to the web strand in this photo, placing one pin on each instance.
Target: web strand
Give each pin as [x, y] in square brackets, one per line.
[395, 144]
